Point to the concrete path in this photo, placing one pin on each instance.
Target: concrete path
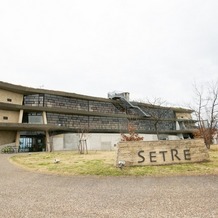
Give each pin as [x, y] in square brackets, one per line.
[27, 194]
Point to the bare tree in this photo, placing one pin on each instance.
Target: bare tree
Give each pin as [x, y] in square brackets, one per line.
[157, 110]
[206, 110]
[83, 135]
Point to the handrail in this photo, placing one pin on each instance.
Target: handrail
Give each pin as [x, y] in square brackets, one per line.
[133, 106]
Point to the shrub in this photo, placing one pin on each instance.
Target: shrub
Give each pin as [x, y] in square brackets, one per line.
[7, 149]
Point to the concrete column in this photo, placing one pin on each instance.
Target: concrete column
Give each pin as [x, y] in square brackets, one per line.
[180, 135]
[183, 125]
[47, 138]
[44, 117]
[17, 141]
[177, 125]
[20, 116]
[48, 144]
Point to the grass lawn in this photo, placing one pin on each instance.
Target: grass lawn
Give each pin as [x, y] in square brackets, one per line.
[102, 163]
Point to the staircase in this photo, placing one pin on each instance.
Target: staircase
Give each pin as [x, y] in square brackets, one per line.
[123, 97]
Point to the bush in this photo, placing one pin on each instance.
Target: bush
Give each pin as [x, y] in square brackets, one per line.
[7, 149]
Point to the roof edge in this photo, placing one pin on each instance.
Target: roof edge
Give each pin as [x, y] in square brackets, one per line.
[29, 90]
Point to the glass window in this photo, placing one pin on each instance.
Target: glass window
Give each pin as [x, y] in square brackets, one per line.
[35, 118]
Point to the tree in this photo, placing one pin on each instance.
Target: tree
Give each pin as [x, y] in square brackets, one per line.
[132, 135]
[206, 110]
[157, 110]
[83, 135]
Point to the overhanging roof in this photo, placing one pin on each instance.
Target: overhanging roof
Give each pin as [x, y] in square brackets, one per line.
[30, 91]
[63, 129]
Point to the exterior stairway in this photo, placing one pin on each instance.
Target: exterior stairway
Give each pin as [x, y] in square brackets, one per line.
[125, 103]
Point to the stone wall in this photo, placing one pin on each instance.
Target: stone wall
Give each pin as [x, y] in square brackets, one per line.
[65, 102]
[104, 107]
[148, 125]
[98, 122]
[163, 113]
[161, 152]
[87, 122]
[73, 121]
[107, 123]
[34, 100]
[47, 100]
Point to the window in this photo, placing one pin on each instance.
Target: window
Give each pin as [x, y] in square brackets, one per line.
[9, 99]
[5, 118]
[35, 118]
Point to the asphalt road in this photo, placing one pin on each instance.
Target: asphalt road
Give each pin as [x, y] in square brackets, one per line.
[31, 195]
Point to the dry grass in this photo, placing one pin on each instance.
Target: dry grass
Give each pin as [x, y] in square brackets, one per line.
[103, 163]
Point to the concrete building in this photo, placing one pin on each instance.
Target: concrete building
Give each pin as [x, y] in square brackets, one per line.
[38, 119]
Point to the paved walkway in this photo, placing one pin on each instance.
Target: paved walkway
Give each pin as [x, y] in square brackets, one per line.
[33, 195]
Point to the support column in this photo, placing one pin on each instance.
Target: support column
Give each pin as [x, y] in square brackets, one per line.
[20, 116]
[178, 127]
[44, 117]
[17, 141]
[48, 144]
[47, 138]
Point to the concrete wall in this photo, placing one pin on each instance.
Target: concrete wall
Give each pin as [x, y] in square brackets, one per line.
[7, 137]
[70, 141]
[57, 142]
[9, 116]
[95, 141]
[185, 116]
[10, 97]
[161, 152]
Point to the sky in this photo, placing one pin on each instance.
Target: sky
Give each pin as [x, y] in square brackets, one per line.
[149, 48]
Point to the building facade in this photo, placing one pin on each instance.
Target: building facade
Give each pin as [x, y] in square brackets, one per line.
[39, 119]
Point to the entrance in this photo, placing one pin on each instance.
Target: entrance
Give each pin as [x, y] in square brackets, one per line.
[32, 143]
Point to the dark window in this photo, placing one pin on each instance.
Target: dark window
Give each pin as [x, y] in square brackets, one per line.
[5, 118]
[25, 118]
[9, 99]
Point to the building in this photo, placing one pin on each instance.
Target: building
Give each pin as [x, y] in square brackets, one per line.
[38, 119]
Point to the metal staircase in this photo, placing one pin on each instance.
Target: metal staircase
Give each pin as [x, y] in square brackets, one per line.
[124, 99]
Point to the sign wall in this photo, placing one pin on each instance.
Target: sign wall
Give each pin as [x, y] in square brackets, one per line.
[141, 153]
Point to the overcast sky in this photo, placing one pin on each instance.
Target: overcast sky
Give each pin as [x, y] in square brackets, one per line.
[150, 48]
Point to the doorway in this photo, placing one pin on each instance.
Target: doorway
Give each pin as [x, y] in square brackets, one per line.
[32, 143]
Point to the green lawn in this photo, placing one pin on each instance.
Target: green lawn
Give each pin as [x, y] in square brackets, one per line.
[103, 164]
